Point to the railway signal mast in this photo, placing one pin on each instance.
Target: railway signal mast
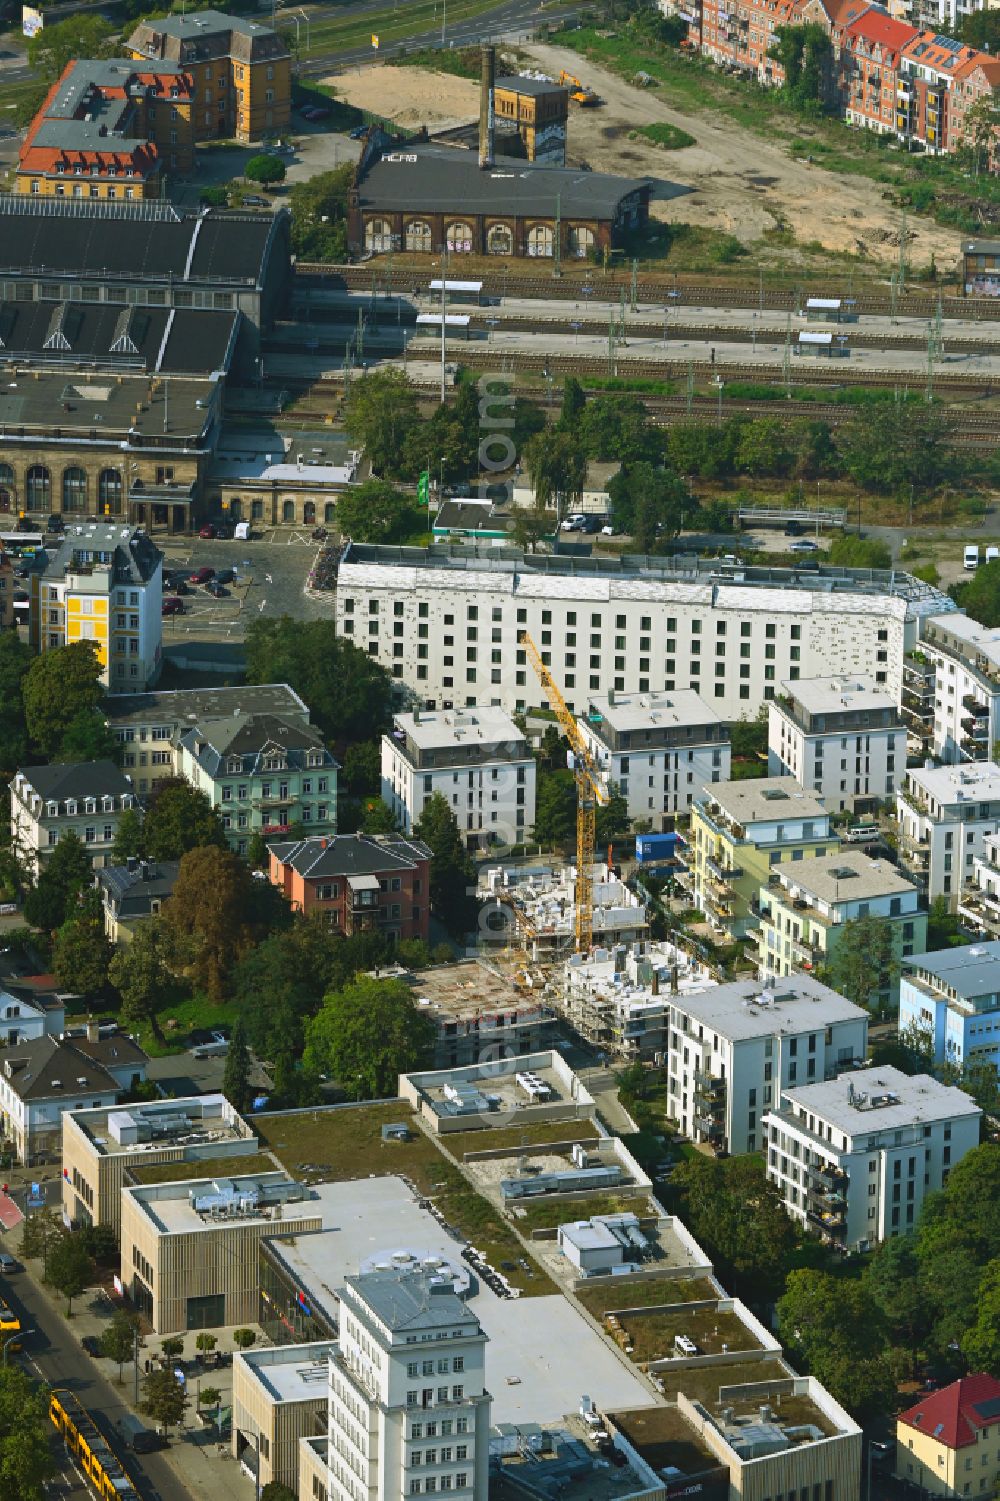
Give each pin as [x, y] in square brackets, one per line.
[590, 791]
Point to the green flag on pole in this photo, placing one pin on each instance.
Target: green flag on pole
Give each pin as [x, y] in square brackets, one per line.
[424, 488]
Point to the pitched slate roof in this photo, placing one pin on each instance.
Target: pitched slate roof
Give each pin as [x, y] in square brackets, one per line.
[955, 1414]
[350, 855]
[77, 779]
[249, 737]
[49, 1069]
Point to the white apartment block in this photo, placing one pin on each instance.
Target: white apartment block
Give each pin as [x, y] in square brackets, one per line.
[409, 1412]
[952, 997]
[979, 903]
[449, 628]
[966, 660]
[946, 814]
[734, 1048]
[104, 583]
[841, 736]
[659, 749]
[479, 762]
[855, 1157]
[86, 798]
[619, 998]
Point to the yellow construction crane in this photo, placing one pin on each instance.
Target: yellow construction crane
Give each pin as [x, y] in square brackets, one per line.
[590, 790]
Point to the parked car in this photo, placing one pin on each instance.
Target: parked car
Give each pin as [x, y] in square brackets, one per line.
[217, 1047]
[217, 590]
[319, 112]
[55, 523]
[804, 546]
[207, 532]
[574, 523]
[136, 1436]
[255, 200]
[179, 586]
[8, 1263]
[223, 532]
[91, 1344]
[794, 529]
[201, 575]
[358, 132]
[172, 606]
[225, 575]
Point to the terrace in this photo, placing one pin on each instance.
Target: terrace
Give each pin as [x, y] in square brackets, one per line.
[609, 1297]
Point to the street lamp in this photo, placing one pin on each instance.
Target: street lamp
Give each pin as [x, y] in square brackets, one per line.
[18, 1334]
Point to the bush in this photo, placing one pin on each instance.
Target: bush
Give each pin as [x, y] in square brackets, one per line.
[264, 169]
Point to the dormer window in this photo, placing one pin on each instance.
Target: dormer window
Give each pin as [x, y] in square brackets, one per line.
[233, 765]
[71, 808]
[314, 758]
[60, 166]
[90, 806]
[108, 804]
[52, 810]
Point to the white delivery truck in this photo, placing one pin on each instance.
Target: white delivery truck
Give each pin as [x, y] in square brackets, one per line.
[971, 555]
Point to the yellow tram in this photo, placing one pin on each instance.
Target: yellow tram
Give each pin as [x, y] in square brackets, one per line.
[93, 1454]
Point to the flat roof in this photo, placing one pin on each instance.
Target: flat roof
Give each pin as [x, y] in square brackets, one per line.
[910, 1100]
[519, 83]
[683, 579]
[981, 640]
[971, 970]
[458, 320]
[444, 729]
[292, 1373]
[455, 286]
[170, 1205]
[824, 304]
[264, 454]
[126, 405]
[845, 693]
[764, 800]
[198, 705]
[641, 711]
[539, 1347]
[747, 1009]
[845, 876]
[469, 989]
[972, 782]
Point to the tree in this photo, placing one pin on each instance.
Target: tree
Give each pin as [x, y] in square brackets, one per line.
[367, 1034]
[26, 1458]
[381, 412]
[117, 1341]
[377, 817]
[129, 838]
[980, 29]
[361, 772]
[205, 1343]
[851, 551]
[557, 468]
[649, 504]
[375, 511]
[209, 918]
[555, 808]
[66, 873]
[532, 524]
[806, 56]
[82, 951]
[39, 1234]
[892, 1280]
[68, 1268]
[618, 427]
[15, 660]
[275, 1491]
[209, 1398]
[164, 1398]
[79, 36]
[840, 1330]
[762, 447]
[980, 597]
[172, 1348]
[908, 445]
[88, 737]
[236, 1076]
[349, 694]
[319, 215]
[612, 821]
[864, 961]
[257, 856]
[265, 169]
[140, 974]
[59, 686]
[733, 1210]
[573, 402]
[180, 818]
[966, 1212]
[453, 876]
[244, 1338]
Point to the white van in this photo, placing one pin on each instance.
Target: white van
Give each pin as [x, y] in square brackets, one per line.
[971, 556]
[992, 554]
[241, 531]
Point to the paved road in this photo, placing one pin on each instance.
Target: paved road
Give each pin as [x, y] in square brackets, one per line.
[52, 1354]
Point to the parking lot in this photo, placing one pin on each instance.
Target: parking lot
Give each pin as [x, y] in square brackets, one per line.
[271, 574]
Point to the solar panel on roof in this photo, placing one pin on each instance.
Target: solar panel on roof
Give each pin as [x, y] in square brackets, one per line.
[948, 43]
[988, 1409]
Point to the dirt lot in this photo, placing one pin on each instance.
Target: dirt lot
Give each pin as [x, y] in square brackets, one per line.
[728, 181]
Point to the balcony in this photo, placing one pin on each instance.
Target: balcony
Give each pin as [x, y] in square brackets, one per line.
[828, 1178]
[832, 1228]
[722, 872]
[806, 952]
[709, 1127]
[975, 708]
[708, 1087]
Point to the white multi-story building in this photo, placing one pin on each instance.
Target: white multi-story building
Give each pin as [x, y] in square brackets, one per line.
[659, 749]
[840, 736]
[619, 998]
[966, 660]
[85, 798]
[477, 759]
[409, 1412]
[733, 1049]
[104, 583]
[952, 997]
[979, 903]
[449, 628]
[946, 814]
[855, 1157]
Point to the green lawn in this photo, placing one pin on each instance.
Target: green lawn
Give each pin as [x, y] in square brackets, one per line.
[208, 1167]
[612, 1296]
[668, 137]
[548, 1216]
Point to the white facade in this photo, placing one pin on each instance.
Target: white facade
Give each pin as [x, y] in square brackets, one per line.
[946, 814]
[966, 660]
[840, 736]
[952, 997]
[855, 1157]
[39, 1081]
[479, 762]
[734, 1048]
[979, 904]
[619, 998]
[659, 749]
[86, 798]
[450, 629]
[409, 1412]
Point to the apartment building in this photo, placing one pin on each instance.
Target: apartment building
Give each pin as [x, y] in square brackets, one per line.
[855, 1157]
[241, 70]
[947, 1443]
[132, 893]
[979, 904]
[917, 706]
[739, 832]
[104, 1148]
[741, 35]
[869, 69]
[85, 798]
[149, 726]
[619, 999]
[409, 1407]
[945, 815]
[358, 883]
[733, 1048]
[658, 749]
[966, 660]
[806, 905]
[104, 583]
[263, 773]
[841, 736]
[939, 80]
[476, 759]
[479, 1015]
[449, 629]
[951, 997]
[108, 130]
[40, 1079]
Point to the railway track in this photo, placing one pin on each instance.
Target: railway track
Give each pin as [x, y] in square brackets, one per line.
[384, 277]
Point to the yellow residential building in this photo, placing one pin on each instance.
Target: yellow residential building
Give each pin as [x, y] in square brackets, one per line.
[948, 1444]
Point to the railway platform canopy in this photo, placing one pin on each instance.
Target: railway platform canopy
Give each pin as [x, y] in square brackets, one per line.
[831, 309]
[781, 516]
[458, 291]
[825, 346]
